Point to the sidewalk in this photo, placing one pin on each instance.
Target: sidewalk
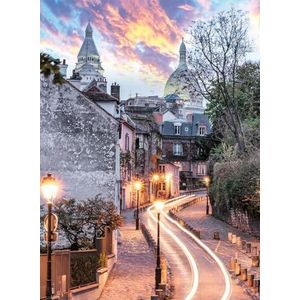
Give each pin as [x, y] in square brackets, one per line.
[133, 275]
[195, 216]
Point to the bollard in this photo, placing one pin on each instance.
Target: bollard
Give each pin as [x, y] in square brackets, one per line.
[237, 269]
[256, 285]
[244, 243]
[238, 241]
[250, 279]
[216, 235]
[255, 261]
[233, 261]
[197, 234]
[229, 236]
[248, 248]
[160, 294]
[162, 286]
[254, 251]
[233, 239]
[244, 274]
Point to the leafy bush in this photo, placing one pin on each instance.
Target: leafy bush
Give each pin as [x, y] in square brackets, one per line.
[83, 268]
[235, 185]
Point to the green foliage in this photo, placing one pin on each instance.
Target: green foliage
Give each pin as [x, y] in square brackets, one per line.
[83, 268]
[236, 185]
[48, 66]
[205, 144]
[84, 221]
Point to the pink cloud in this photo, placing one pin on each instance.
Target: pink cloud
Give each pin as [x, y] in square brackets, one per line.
[186, 7]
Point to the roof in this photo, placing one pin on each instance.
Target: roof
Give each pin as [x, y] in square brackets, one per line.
[187, 128]
[88, 47]
[94, 93]
[182, 47]
[172, 98]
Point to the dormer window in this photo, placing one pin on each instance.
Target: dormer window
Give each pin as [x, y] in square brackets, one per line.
[177, 128]
[202, 130]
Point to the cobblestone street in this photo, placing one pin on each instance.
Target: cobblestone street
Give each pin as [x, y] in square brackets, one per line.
[133, 275]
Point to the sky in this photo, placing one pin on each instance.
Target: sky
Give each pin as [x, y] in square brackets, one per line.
[138, 40]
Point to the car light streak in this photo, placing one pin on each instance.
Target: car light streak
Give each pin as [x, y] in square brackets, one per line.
[228, 290]
[192, 262]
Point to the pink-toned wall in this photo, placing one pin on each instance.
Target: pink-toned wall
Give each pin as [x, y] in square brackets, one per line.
[174, 182]
[126, 130]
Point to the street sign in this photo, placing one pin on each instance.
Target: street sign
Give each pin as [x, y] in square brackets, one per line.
[54, 236]
[54, 222]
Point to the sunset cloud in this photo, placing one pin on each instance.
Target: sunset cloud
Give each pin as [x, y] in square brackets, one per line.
[138, 39]
[186, 7]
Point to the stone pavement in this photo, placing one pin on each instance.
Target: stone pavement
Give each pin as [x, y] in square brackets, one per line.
[195, 216]
[133, 275]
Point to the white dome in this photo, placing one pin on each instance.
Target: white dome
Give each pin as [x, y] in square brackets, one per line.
[181, 81]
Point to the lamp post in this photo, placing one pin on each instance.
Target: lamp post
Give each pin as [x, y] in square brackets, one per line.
[155, 179]
[207, 180]
[138, 186]
[159, 206]
[49, 189]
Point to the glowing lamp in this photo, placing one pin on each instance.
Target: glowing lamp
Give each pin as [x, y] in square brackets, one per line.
[159, 205]
[155, 177]
[206, 180]
[137, 185]
[49, 188]
[168, 176]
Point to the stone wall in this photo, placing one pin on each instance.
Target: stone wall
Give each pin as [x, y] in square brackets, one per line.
[78, 142]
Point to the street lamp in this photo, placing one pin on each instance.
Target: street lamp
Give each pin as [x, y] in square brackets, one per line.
[49, 189]
[138, 186]
[207, 181]
[159, 206]
[155, 178]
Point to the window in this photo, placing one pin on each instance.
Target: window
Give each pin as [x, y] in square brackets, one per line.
[126, 142]
[177, 129]
[137, 143]
[161, 169]
[202, 130]
[177, 149]
[162, 186]
[201, 169]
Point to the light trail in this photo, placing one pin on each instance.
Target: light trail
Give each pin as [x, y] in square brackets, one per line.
[228, 290]
[187, 253]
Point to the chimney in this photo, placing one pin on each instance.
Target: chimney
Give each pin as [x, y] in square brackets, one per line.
[63, 68]
[115, 90]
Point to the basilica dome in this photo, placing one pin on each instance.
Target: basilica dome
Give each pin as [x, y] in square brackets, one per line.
[180, 82]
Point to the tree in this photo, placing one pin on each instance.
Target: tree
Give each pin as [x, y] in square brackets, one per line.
[219, 47]
[99, 214]
[48, 66]
[83, 221]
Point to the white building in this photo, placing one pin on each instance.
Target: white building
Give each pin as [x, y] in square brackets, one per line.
[181, 87]
[88, 67]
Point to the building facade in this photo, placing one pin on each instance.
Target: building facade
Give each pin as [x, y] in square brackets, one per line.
[127, 160]
[78, 142]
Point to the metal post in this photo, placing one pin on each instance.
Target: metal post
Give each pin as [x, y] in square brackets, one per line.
[137, 220]
[158, 267]
[49, 284]
[207, 207]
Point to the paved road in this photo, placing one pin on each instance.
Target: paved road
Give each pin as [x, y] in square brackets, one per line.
[196, 274]
[133, 275]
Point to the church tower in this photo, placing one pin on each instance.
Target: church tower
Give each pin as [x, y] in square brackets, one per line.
[88, 67]
[182, 54]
